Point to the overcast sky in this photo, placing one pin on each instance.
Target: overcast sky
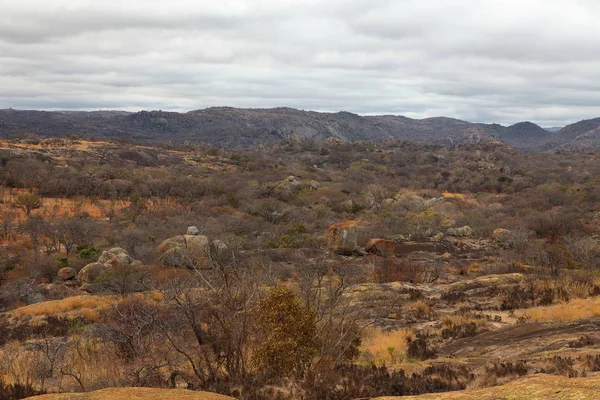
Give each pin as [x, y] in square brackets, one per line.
[479, 60]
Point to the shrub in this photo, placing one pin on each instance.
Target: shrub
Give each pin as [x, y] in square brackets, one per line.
[288, 336]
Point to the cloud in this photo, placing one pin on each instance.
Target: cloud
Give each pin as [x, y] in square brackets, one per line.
[481, 60]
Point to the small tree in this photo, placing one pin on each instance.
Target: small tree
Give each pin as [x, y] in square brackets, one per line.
[28, 202]
[288, 333]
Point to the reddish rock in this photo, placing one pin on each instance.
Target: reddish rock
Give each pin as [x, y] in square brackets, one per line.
[381, 247]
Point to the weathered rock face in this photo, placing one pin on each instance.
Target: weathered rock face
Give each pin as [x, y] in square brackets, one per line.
[116, 255]
[342, 238]
[67, 274]
[465, 231]
[190, 251]
[107, 262]
[381, 247]
[192, 230]
[403, 249]
[390, 248]
[92, 272]
[287, 188]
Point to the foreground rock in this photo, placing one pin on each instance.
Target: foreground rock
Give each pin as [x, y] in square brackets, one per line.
[342, 238]
[135, 394]
[191, 250]
[532, 387]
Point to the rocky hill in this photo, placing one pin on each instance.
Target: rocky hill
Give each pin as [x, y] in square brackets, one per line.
[523, 135]
[233, 127]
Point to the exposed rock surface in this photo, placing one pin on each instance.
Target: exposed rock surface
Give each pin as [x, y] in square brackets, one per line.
[190, 250]
[108, 260]
[92, 272]
[67, 274]
[464, 231]
[381, 247]
[342, 238]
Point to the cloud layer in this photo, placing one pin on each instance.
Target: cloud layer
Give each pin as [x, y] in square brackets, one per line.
[479, 60]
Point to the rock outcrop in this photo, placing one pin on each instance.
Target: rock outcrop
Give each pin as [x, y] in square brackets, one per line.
[92, 272]
[464, 231]
[67, 274]
[381, 247]
[107, 262]
[191, 250]
[342, 238]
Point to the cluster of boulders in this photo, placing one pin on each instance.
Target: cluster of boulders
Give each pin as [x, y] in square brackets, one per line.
[191, 250]
[106, 264]
[463, 231]
[287, 188]
[342, 239]
[108, 261]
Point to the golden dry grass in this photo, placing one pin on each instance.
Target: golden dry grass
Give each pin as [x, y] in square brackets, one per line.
[87, 306]
[61, 207]
[65, 305]
[419, 307]
[570, 311]
[385, 347]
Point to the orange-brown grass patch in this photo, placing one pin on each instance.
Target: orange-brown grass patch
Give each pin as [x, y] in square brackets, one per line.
[450, 195]
[419, 307]
[570, 311]
[385, 348]
[164, 275]
[87, 306]
[61, 207]
[64, 306]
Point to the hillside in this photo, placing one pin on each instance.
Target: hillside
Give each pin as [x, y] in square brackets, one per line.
[523, 135]
[571, 135]
[135, 394]
[232, 127]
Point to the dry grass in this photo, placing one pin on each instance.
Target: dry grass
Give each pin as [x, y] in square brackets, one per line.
[61, 207]
[385, 348]
[570, 311]
[86, 306]
[419, 307]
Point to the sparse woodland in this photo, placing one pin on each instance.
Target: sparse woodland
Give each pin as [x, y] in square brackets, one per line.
[487, 267]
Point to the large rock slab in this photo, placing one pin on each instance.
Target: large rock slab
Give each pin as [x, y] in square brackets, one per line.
[190, 251]
[92, 272]
[342, 238]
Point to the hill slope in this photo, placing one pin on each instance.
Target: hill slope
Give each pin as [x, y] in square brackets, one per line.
[135, 394]
[234, 127]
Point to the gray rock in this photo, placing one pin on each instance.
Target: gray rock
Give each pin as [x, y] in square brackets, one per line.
[67, 274]
[192, 230]
[92, 272]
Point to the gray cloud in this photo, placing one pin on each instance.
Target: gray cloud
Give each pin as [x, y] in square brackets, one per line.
[482, 60]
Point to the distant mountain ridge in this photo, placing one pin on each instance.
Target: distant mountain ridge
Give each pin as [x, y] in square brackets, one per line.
[235, 127]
